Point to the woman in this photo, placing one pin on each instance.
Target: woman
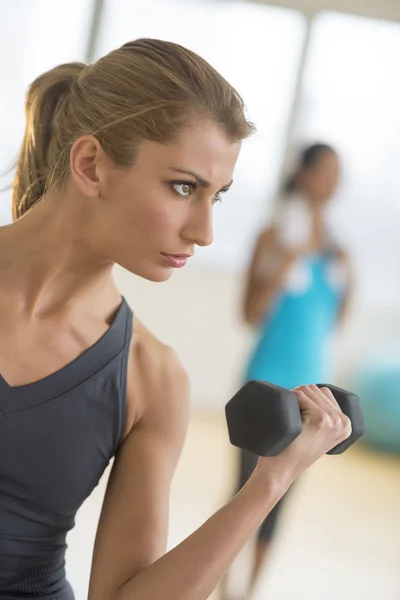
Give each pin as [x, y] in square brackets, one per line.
[122, 162]
[297, 288]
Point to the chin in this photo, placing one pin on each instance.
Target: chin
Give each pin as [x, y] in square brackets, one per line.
[150, 272]
[157, 276]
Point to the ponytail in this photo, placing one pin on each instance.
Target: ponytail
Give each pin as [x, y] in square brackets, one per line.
[44, 103]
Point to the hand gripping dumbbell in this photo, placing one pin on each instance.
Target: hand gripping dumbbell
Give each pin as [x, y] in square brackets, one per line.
[265, 418]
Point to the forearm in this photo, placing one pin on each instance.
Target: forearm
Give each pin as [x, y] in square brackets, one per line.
[193, 569]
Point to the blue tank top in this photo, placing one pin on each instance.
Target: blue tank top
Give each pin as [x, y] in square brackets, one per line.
[57, 436]
[292, 339]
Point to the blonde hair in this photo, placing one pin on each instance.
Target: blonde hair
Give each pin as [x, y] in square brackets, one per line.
[146, 90]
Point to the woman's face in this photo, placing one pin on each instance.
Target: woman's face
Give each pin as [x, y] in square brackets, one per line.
[154, 214]
[320, 181]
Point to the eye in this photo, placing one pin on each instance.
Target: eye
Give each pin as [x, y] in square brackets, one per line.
[218, 197]
[183, 188]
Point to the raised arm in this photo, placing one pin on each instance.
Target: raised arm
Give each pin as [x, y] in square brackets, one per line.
[268, 266]
[129, 561]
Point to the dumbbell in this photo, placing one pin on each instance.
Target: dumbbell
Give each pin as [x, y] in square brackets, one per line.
[265, 418]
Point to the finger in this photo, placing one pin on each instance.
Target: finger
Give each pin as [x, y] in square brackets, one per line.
[320, 399]
[327, 397]
[310, 401]
[330, 394]
[305, 402]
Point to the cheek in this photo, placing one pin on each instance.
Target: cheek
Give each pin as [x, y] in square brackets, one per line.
[160, 211]
[322, 182]
[330, 182]
[157, 223]
[149, 217]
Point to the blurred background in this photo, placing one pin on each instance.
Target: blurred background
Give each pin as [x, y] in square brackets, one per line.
[309, 70]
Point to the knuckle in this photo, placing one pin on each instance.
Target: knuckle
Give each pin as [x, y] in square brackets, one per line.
[322, 419]
[302, 388]
[337, 423]
[326, 391]
[346, 425]
[299, 394]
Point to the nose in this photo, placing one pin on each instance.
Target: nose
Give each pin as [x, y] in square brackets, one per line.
[199, 227]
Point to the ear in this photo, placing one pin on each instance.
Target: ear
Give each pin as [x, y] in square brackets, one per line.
[85, 164]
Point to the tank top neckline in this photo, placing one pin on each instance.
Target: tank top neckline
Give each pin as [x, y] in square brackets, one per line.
[90, 361]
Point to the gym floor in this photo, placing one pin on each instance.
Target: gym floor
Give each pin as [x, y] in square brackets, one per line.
[339, 536]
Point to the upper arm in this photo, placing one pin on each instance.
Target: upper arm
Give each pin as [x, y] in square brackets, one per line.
[133, 528]
[264, 250]
[263, 266]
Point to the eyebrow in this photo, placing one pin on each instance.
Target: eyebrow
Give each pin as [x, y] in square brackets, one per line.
[201, 181]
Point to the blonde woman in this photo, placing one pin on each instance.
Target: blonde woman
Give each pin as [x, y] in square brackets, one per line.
[122, 162]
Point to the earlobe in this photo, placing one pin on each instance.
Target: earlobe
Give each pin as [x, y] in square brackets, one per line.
[85, 159]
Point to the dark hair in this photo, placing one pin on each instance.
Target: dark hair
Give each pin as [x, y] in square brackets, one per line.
[309, 157]
[146, 90]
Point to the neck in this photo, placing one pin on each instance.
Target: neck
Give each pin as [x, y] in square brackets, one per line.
[316, 208]
[47, 258]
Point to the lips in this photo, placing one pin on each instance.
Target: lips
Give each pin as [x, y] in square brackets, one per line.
[176, 261]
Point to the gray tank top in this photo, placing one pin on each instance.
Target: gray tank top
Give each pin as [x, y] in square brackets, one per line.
[57, 436]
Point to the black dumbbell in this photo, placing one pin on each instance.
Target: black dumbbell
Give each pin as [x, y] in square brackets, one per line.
[265, 418]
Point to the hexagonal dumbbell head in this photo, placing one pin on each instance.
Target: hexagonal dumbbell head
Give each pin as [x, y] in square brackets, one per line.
[263, 418]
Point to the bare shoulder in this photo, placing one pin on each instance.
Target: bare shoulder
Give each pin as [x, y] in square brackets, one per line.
[151, 352]
[157, 382]
[268, 235]
[267, 241]
[264, 254]
[342, 256]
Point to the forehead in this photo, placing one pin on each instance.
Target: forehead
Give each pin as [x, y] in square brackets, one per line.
[328, 159]
[202, 147]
